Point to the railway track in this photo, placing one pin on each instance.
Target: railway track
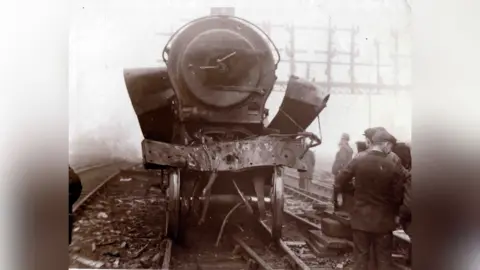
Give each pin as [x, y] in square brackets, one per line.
[107, 234]
[117, 226]
[296, 249]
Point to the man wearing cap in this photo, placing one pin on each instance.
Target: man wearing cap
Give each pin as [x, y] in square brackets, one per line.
[342, 158]
[344, 154]
[370, 132]
[377, 198]
[401, 156]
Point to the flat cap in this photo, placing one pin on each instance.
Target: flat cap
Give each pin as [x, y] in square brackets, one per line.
[383, 136]
[369, 132]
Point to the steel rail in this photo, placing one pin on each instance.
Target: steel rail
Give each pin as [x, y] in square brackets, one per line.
[251, 253]
[89, 195]
[298, 262]
[292, 255]
[167, 254]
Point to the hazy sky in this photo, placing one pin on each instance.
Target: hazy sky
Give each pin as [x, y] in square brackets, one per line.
[108, 36]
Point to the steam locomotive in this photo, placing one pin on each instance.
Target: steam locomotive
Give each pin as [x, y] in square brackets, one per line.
[203, 120]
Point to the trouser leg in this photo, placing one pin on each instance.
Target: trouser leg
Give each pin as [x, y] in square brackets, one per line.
[75, 190]
[361, 243]
[406, 227]
[70, 224]
[372, 260]
[409, 259]
[383, 244]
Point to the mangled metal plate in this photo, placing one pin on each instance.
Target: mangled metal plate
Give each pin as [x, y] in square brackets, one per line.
[302, 103]
[227, 156]
[151, 96]
[148, 88]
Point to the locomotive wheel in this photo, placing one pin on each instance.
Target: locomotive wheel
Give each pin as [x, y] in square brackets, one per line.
[277, 203]
[173, 198]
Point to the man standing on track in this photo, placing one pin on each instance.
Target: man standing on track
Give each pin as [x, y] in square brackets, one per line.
[348, 191]
[377, 198]
[306, 177]
[74, 191]
[344, 154]
[342, 158]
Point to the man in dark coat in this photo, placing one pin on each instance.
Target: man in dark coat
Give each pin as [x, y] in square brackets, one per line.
[401, 156]
[344, 154]
[403, 151]
[348, 191]
[342, 158]
[306, 176]
[377, 197]
[74, 191]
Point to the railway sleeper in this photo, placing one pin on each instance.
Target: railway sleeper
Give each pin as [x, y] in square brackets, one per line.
[331, 242]
[334, 228]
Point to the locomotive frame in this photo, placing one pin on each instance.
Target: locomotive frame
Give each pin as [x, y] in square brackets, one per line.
[214, 144]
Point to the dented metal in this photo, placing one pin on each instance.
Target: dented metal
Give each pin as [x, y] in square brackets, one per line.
[227, 156]
[302, 103]
[148, 88]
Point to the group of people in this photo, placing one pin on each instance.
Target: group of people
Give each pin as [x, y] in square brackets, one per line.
[378, 180]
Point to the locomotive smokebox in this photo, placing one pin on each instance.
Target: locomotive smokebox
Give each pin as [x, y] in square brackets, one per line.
[221, 67]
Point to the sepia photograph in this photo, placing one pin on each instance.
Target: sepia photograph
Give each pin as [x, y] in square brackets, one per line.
[240, 134]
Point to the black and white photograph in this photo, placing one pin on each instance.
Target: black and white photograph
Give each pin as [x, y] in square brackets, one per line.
[240, 134]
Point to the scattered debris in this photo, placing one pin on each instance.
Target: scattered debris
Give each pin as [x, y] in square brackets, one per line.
[113, 253]
[107, 243]
[115, 224]
[237, 250]
[116, 263]
[140, 251]
[88, 262]
[145, 259]
[102, 215]
[125, 179]
[157, 257]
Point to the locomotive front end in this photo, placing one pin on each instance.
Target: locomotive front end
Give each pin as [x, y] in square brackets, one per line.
[203, 121]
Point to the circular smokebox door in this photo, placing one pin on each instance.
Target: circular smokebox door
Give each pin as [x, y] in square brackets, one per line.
[218, 68]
